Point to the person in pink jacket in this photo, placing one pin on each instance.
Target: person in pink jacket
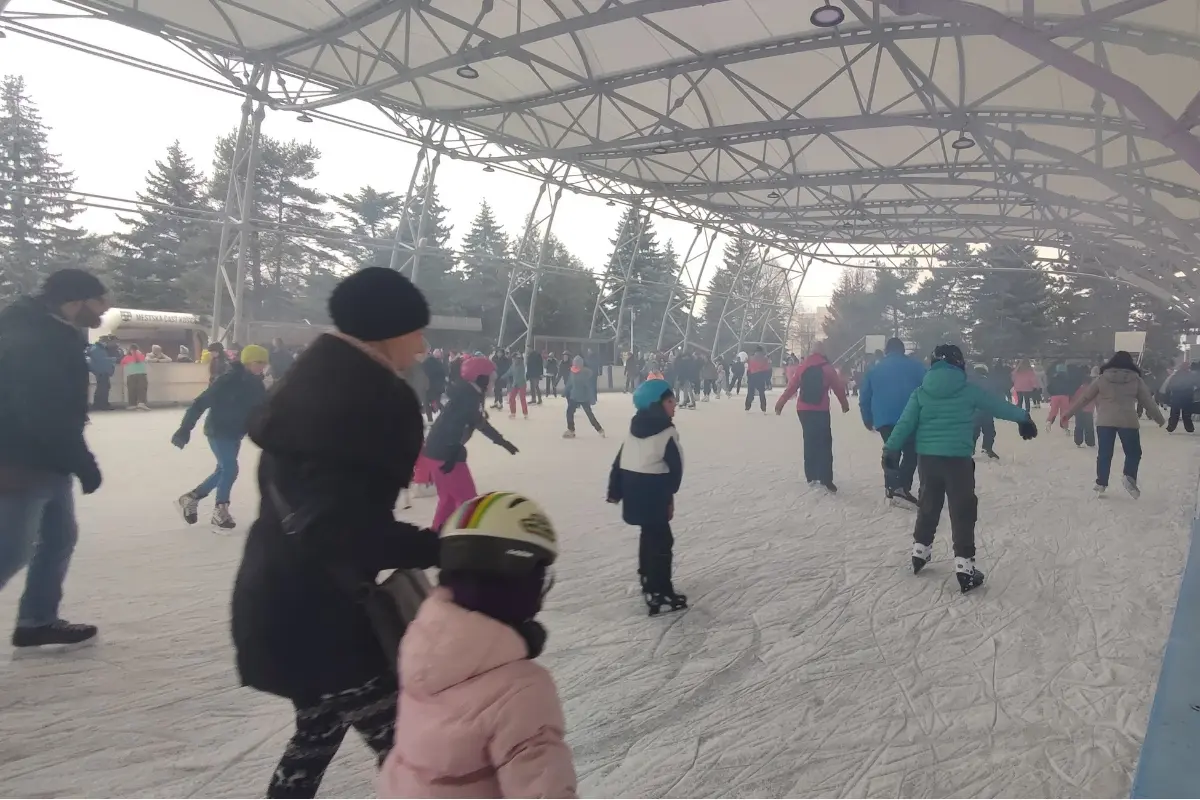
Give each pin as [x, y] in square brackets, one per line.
[477, 716]
[1025, 383]
[811, 384]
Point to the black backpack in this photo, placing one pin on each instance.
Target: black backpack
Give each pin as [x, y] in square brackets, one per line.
[812, 385]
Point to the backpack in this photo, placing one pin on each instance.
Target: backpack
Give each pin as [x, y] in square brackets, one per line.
[812, 385]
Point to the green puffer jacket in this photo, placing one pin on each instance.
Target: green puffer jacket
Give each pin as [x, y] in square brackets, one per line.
[942, 413]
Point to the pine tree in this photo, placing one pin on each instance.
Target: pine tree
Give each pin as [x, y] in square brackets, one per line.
[485, 263]
[893, 296]
[727, 293]
[435, 271]
[36, 212]
[852, 312]
[650, 284]
[372, 214]
[566, 294]
[941, 305]
[165, 260]
[1013, 306]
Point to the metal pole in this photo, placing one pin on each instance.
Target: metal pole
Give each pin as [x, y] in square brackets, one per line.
[754, 287]
[725, 308]
[509, 299]
[662, 328]
[607, 274]
[222, 282]
[537, 270]
[419, 239]
[394, 261]
[637, 241]
[244, 232]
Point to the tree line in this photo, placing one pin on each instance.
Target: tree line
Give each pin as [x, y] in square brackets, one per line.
[997, 302]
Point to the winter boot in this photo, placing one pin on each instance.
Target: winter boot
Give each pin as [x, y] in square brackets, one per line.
[568, 434]
[1131, 486]
[1099, 489]
[922, 554]
[221, 517]
[968, 577]
[59, 632]
[663, 602]
[188, 506]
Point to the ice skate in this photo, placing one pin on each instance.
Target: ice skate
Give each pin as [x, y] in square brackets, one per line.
[568, 434]
[188, 505]
[1099, 489]
[968, 577]
[60, 632]
[902, 498]
[603, 435]
[143, 407]
[1131, 486]
[512, 416]
[830, 486]
[922, 554]
[221, 517]
[659, 603]
[991, 454]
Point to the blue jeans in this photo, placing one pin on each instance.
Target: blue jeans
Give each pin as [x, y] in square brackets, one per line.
[1106, 439]
[37, 528]
[226, 451]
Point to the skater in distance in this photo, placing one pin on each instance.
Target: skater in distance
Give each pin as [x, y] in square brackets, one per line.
[941, 417]
[885, 390]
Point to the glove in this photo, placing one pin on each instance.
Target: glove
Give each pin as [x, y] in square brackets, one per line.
[89, 476]
[1028, 429]
[891, 460]
[448, 466]
[510, 447]
[180, 438]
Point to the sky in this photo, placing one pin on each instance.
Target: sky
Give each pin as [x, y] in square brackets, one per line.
[110, 122]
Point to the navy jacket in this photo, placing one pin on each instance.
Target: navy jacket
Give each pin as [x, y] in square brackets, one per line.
[648, 469]
[460, 418]
[886, 388]
[229, 401]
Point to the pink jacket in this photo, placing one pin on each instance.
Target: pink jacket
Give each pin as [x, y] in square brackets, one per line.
[1024, 380]
[833, 383]
[476, 717]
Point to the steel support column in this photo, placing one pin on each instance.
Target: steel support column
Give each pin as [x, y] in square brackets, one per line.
[528, 266]
[697, 256]
[425, 169]
[618, 276]
[722, 320]
[237, 220]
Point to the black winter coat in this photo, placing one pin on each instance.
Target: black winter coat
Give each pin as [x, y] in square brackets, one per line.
[534, 366]
[43, 390]
[460, 418]
[340, 435]
[435, 371]
[229, 401]
[648, 469]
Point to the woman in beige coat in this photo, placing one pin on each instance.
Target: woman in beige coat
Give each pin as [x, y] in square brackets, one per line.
[1117, 393]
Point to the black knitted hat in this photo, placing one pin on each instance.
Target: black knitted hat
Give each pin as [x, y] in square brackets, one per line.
[70, 285]
[377, 303]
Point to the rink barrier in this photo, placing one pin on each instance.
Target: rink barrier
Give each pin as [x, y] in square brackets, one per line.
[1169, 765]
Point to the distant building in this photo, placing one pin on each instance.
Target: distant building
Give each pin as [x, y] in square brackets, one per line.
[807, 329]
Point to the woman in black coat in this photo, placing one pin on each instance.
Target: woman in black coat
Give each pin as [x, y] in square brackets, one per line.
[340, 435]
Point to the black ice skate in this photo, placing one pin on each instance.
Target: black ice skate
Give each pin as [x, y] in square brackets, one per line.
[188, 506]
[968, 577]
[922, 554]
[661, 603]
[830, 486]
[902, 498]
[59, 632]
[221, 518]
[991, 454]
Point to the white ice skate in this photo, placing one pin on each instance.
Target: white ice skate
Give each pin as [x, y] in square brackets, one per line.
[968, 577]
[1131, 486]
[922, 554]
[1099, 489]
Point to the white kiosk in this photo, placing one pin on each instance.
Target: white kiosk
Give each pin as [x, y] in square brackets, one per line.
[171, 382]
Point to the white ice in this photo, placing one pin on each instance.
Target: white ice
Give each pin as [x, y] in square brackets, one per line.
[812, 661]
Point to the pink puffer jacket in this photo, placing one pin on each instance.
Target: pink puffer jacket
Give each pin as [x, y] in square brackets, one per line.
[477, 717]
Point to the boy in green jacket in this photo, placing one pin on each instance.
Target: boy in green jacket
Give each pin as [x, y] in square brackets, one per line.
[941, 415]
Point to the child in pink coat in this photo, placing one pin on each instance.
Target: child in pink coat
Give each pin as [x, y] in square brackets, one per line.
[477, 716]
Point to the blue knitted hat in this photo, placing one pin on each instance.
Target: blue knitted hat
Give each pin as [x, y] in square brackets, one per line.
[649, 393]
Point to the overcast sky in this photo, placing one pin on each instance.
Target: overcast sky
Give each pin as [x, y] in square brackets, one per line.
[111, 122]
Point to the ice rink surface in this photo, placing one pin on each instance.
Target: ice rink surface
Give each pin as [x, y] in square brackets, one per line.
[812, 663]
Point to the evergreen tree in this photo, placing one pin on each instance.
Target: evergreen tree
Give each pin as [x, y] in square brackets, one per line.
[651, 279]
[372, 214]
[435, 272]
[852, 312]
[165, 261]
[36, 214]
[485, 264]
[892, 292]
[728, 291]
[1012, 307]
[566, 295]
[288, 273]
[941, 305]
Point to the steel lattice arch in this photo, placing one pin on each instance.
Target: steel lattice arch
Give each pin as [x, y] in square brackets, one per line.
[825, 131]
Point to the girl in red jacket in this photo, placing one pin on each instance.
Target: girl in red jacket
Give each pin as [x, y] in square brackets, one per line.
[812, 384]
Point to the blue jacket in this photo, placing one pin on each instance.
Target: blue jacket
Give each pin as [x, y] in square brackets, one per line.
[99, 361]
[886, 388]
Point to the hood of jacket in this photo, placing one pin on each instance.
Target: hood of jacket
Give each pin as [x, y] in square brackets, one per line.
[943, 380]
[649, 422]
[813, 360]
[1118, 376]
[447, 644]
[336, 402]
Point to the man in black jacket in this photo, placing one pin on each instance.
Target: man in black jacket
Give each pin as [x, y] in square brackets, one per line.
[339, 437]
[534, 367]
[43, 409]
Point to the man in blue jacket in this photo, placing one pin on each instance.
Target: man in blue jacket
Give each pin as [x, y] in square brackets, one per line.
[885, 391]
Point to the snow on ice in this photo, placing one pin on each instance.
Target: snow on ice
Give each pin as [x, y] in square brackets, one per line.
[812, 663]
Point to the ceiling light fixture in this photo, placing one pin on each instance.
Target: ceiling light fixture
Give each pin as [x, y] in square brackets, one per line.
[774, 195]
[963, 142]
[304, 117]
[467, 72]
[1027, 202]
[827, 16]
[489, 168]
[611, 202]
[660, 150]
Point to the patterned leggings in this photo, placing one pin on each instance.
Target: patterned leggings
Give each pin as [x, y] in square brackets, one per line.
[320, 728]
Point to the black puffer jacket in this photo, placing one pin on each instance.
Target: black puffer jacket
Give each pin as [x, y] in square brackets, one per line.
[229, 401]
[460, 418]
[43, 391]
[435, 371]
[340, 435]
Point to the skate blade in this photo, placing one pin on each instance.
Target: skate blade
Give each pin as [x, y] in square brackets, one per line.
[659, 611]
[52, 650]
[896, 502]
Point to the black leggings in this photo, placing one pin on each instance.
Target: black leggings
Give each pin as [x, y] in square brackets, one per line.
[587, 409]
[1025, 399]
[735, 384]
[654, 558]
[321, 726]
[756, 385]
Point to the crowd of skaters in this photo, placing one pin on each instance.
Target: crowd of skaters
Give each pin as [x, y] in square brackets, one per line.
[345, 433]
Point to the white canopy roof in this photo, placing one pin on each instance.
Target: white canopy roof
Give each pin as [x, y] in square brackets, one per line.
[1072, 117]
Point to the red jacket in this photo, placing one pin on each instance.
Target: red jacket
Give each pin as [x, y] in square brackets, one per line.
[757, 364]
[833, 383]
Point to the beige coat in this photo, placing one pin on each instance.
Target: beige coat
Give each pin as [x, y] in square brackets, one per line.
[1117, 392]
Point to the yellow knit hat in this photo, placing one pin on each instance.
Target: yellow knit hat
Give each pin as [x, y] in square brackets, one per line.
[255, 352]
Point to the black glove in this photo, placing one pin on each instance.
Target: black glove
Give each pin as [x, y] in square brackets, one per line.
[180, 438]
[1028, 429]
[89, 476]
[448, 466]
[509, 446]
[891, 460]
